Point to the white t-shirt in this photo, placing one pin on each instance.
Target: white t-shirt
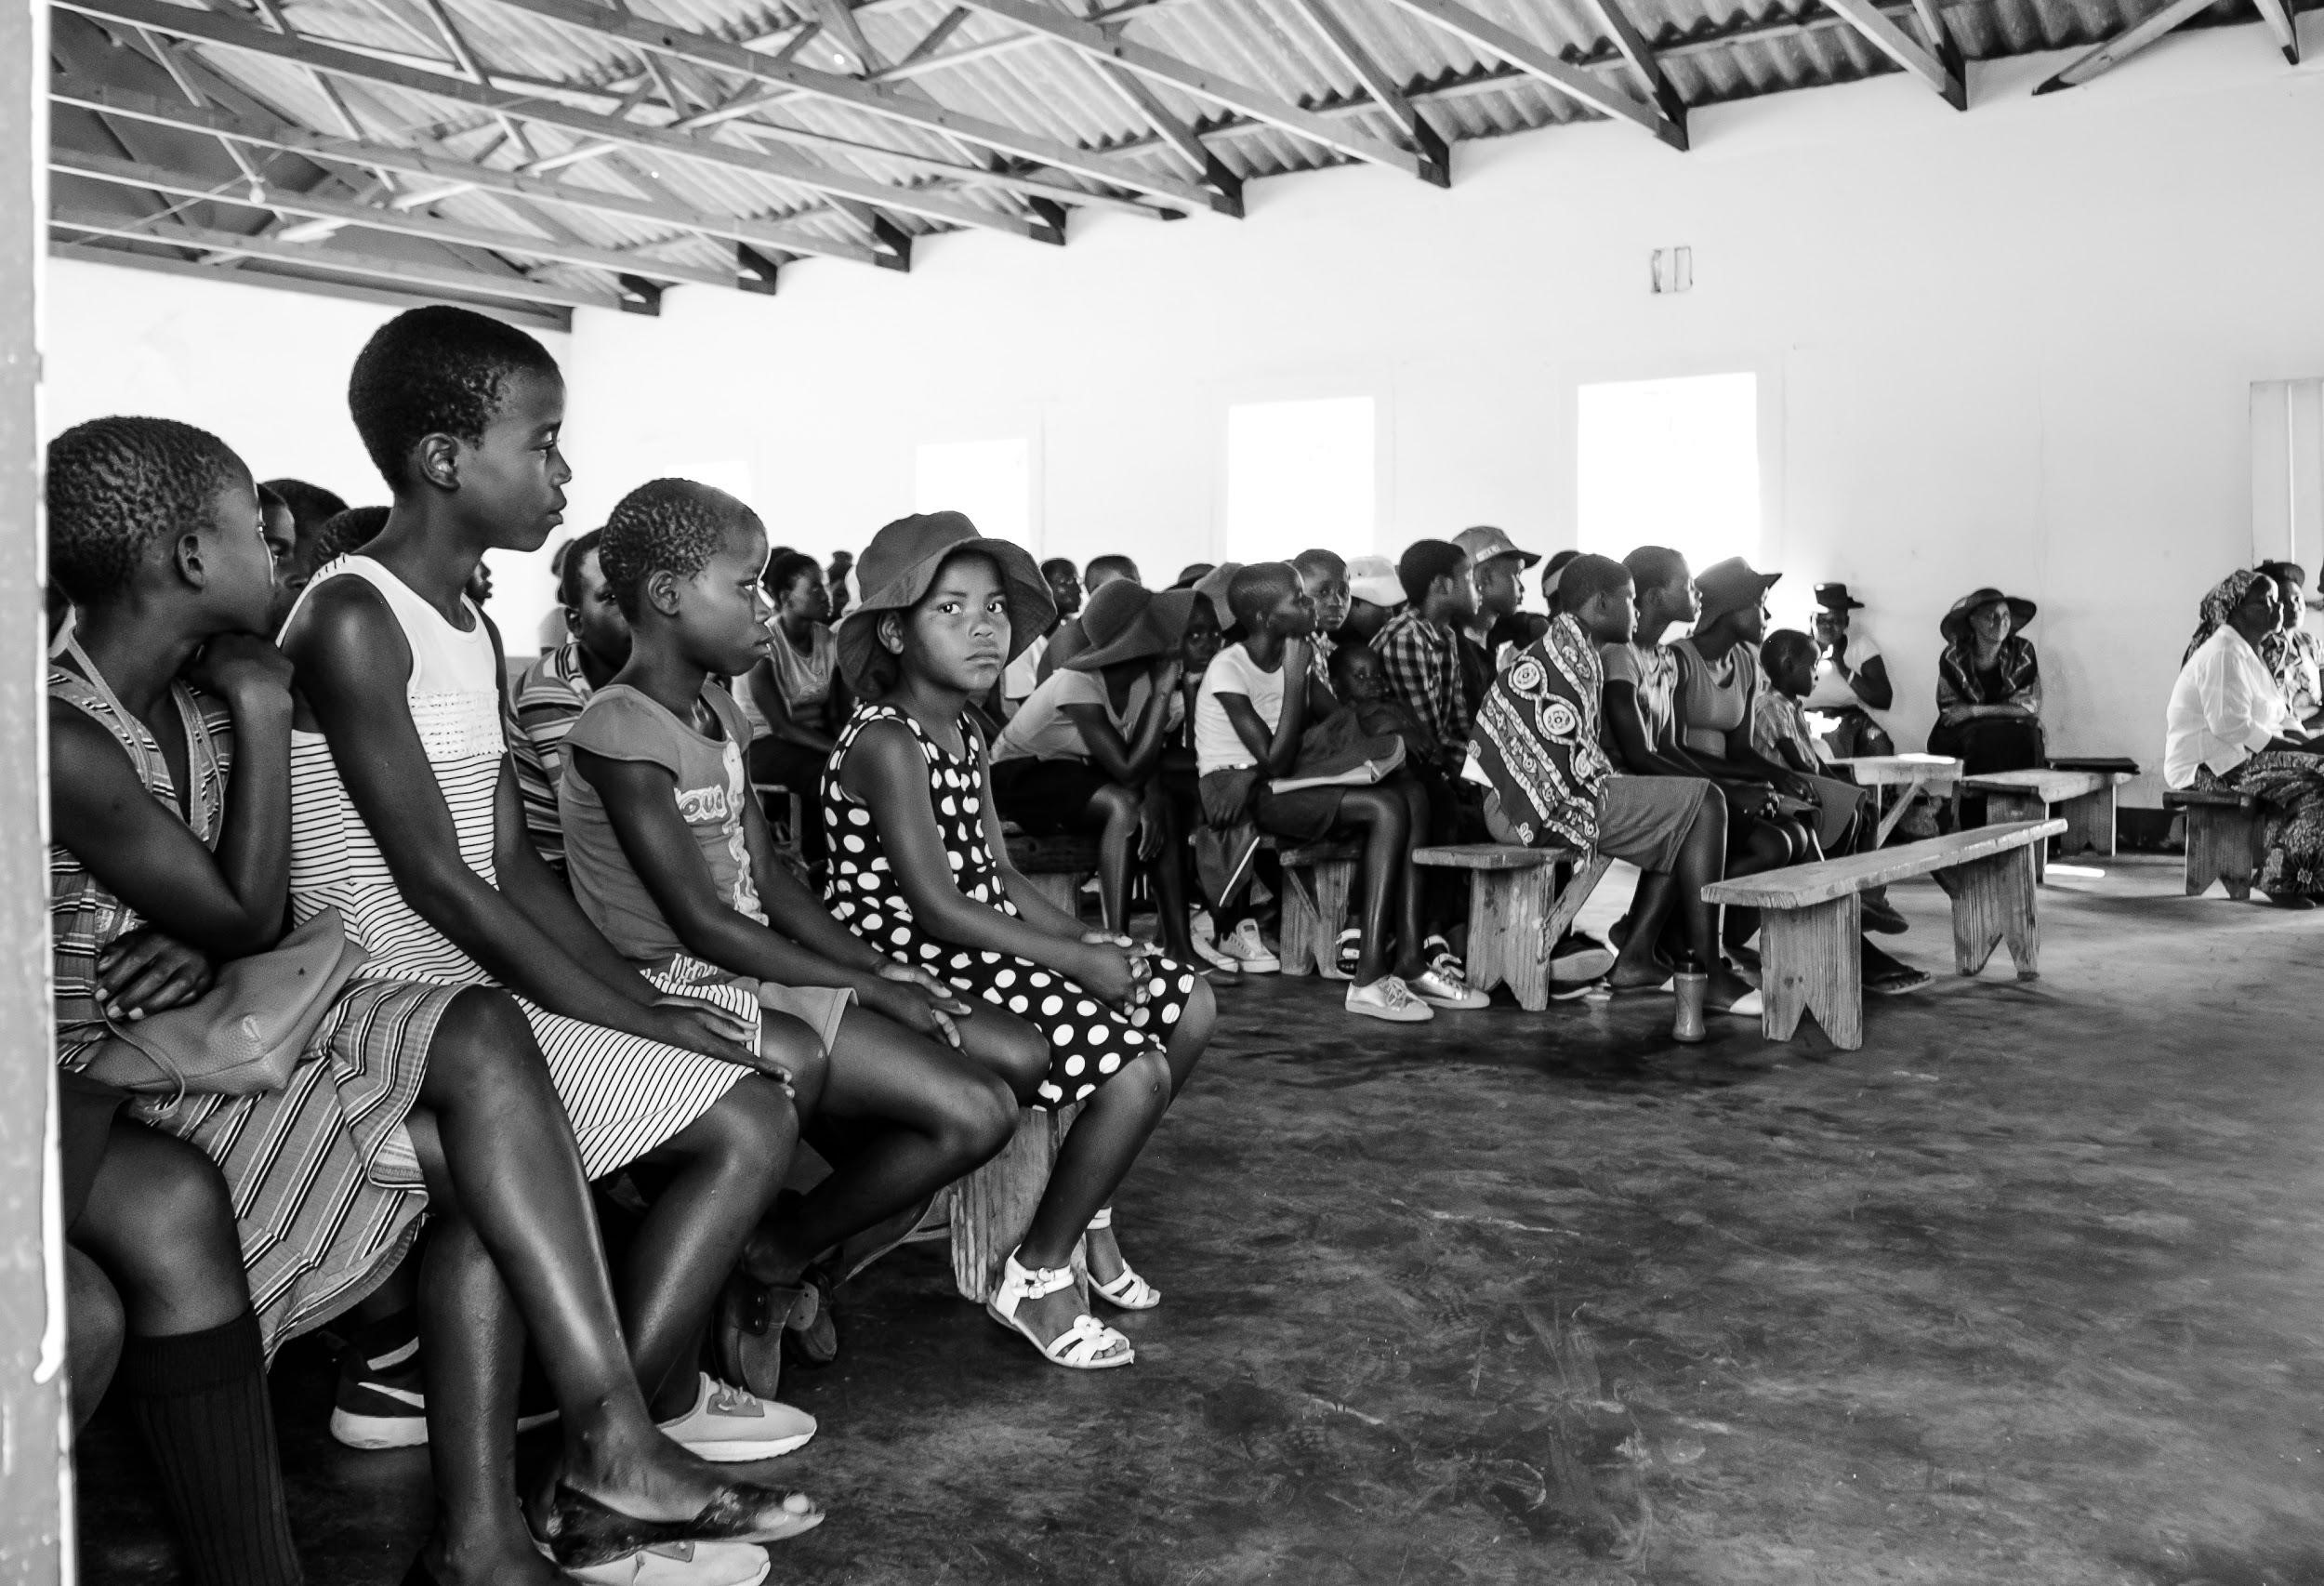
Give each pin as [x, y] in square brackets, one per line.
[1832, 691]
[1218, 747]
[2223, 709]
[1041, 730]
[1024, 673]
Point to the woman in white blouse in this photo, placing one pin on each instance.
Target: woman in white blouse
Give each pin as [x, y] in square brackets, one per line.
[2230, 727]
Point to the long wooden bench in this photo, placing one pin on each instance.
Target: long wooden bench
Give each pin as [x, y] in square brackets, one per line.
[1516, 911]
[2084, 799]
[1058, 866]
[1811, 923]
[2223, 829]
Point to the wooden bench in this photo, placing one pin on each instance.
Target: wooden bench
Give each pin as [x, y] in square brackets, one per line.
[1913, 776]
[1516, 913]
[1058, 866]
[2084, 799]
[2222, 833]
[1317, 877]
[1811, 922]
[993, 1207]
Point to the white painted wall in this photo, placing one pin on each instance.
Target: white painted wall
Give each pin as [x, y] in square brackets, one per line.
[2013, 345]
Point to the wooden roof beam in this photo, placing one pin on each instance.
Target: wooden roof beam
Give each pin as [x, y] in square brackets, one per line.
[1899, 47]
[2124, 44]
[2280, 23]
[1641, 55]
[717, 54]
[322, 146]
[542, 316]
[1101, 44]
[1175, 133]
[1575, 82]
[1385, 90]
[227, 34]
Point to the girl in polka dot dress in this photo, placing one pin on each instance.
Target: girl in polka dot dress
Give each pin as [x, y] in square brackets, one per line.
[918, 869]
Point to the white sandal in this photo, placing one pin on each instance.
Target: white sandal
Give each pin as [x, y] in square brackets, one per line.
[1081, 1347]
[1128, 1291]
[1347, 949]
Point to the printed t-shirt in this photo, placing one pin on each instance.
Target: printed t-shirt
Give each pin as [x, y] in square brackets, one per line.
[1652, 671]
[1217, 744]
[712, 787]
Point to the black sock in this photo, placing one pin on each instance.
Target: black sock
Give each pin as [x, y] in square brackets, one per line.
[200, 1400]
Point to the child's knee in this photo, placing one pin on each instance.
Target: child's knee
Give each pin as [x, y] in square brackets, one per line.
[1017, 1052]
[1147, 1076]
[792, 1046]
[754, 1127]
[484, 1034]
[984, 1120]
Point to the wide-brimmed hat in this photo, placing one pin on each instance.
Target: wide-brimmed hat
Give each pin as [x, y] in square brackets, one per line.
[1956, 624]
[1124, 622]
[1373, 578]
[1213, 586]
[1835, 598]
[1730, 586]
[1484, 543]
[897, 567]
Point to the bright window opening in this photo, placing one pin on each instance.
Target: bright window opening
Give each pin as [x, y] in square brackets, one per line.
[1671, 463]
[1298, 474]
[991, 480]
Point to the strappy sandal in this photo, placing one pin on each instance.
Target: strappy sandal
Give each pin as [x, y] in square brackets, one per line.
[1346, 954]
[1081, 1347]
[579, 1531]
[1128, 1291]
[811, 1336]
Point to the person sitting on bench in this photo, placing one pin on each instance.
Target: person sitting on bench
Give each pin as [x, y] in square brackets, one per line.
[1988, 686]
[2230, 727]
[1779, 734]
[2291, 651]
[1550, 785]
[1856, 689]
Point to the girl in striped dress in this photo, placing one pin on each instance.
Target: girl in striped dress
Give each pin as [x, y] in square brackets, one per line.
[171, 822]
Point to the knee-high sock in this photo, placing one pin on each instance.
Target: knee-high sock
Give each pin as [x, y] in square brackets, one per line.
[200, 1400]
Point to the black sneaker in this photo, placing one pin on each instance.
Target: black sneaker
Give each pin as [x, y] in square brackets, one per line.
[382, 1403]
[1879, 915]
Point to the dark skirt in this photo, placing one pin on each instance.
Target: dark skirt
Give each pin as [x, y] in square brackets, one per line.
[1046, 797]
[1989, 744]
[85, 1126]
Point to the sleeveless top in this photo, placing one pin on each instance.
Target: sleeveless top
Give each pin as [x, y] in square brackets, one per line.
[862, 889]
[454, 692]
[84, 915]
[804, 681]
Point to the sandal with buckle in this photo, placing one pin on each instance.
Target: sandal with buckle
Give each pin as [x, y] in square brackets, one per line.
[1347, 952]
[1083, 1346]
[1128, 1291]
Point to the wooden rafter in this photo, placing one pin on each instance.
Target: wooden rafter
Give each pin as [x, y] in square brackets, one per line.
[2283, 25]
[1385, 90]
[1174, 133]
[548, 316]
[2124, 44]
[1641, 55]
[313, 145]
[1901, 47]
[1102, 45]
[1575, 82]
[227, 34]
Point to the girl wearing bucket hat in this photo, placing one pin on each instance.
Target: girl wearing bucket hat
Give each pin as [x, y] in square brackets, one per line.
[1081, 754]
[919, 869]
[1988, 686]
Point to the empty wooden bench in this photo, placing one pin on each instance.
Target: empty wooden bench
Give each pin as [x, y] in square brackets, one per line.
[1317, 877]
[2223, 830]
[1058, 866]
[1810, 921]
[2084, 799]
[1516, 912]
[993, 1207]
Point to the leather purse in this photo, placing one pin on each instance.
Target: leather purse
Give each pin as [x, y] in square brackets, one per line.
[247, 1032]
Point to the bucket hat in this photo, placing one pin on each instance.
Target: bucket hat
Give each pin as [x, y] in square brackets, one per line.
[1124, 622]
[1730, 586]
[901, 562]
[1955, 627]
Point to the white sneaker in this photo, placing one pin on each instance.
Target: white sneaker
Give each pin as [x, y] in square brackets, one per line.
[1442, 991]
[1388, 998]
[728, 1425]
[1248, 950]
[682, 1564]
[1206, 949]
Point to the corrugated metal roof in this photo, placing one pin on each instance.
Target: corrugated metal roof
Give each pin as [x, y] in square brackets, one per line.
[794, 148]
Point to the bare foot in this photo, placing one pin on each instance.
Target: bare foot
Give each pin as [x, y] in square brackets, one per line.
[508, 1559]
[644, 1476]
[1725, 990]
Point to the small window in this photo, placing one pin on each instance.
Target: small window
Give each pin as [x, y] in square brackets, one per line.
[2288, 472]
[1671, 463]
[991, 480]
[1298, 474]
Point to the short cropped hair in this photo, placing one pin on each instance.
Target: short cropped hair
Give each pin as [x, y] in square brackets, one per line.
[569, 561]
[1257, 589]
[1655, 566]
[1057, 565]
[1587, 577]
[350, 531]
[1120, 566]
[1423, 562]
[115, 486]
[311, 505]
[1783, 646]
[1321, 564]
[268, 501]
[784, 570]
[666, 526]
[435, 371]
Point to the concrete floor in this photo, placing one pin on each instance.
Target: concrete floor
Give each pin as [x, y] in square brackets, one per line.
[2031, 1289]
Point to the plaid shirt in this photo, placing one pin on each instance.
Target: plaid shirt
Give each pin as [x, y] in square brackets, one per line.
[1424, 665]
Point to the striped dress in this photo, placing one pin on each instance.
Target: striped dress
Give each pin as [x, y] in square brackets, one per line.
[325, 1191]
[623, 1094]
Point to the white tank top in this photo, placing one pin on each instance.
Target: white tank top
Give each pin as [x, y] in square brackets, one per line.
[455, 698]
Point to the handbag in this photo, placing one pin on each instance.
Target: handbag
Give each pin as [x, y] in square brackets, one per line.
[247, 1032]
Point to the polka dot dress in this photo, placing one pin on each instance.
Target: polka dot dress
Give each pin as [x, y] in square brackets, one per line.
[1088, 1042]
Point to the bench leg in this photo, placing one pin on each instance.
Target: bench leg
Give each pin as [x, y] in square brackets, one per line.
[2219, 844]
[1303, 949]
[2088, 824]
[1811, 961]
[2003, 807]
[1508, 914]
[1993, 903]
[993, 1207]
[1063, 888]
